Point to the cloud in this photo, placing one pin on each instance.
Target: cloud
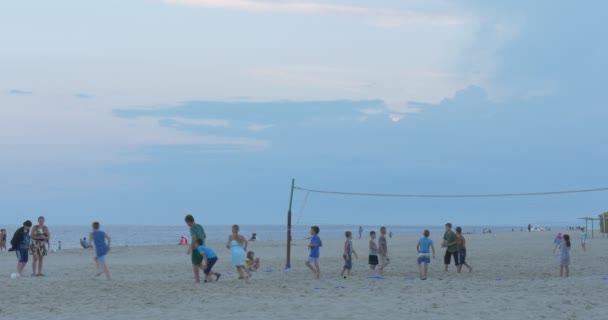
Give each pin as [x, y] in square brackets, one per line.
[202, 122]
[381, 16]
[395, 112]
[258, 127]
[83, 96]
[20, 92]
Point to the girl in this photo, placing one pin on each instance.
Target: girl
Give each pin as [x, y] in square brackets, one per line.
[564, 256]
[237, 244]
[40, 236]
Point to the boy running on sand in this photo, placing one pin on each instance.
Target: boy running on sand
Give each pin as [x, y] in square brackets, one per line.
[313, 258]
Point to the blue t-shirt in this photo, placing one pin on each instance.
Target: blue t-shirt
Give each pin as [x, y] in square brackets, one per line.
[99, 239]
[25, 244]
[425, 245]
[207, 251]
[315, 243]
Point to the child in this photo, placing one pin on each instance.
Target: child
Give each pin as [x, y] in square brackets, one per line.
[584, 239]
[238, 248]
[462, 250]
[424, 247]
[373, 251]
[564, 256]
[102, 248]
[557, 241]
[252, 264]
[383, 250]
[209, 259]
[348, 254]
[313, 258]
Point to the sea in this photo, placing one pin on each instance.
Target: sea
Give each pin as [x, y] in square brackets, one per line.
[142, 235]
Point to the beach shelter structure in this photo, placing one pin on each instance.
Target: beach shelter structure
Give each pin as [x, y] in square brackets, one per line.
[587, 219]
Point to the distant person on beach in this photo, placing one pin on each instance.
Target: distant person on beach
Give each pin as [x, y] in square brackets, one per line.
[584, 239]
[197, 232]
[383, 250]
[209, 260]
[183, 241]
[390, 234]
[3, 240]
[254, 237]
[252, 263]
[373, 251]
[314, 247]
[360, 232]
[348, 254]
[424, 248]
[564, 256]
[451, 244]
[20, 243]
[99, 238]
[237, 244]
[59, 245]
[40, 236]
[529, 227]
[557, 241]
[84, 243]
[462, 251]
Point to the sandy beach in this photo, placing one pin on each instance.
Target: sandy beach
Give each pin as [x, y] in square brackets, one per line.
[515, 276]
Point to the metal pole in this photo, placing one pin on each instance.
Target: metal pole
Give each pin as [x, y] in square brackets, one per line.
[288, 263]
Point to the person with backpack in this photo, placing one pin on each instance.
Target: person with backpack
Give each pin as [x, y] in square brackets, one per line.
[20, 243]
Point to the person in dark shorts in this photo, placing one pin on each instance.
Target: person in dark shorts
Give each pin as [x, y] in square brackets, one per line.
[450, 242]
[209, 260]
[21, 245]
[373, 251]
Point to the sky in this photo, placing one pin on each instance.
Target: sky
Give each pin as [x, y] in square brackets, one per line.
[142, 111]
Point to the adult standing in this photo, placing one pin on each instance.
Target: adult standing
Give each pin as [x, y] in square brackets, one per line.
[450, 241]
[3, 240]
[20, 243]
[38, 248]
[360, 231]
[197, 232]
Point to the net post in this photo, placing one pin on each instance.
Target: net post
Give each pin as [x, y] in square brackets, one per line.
[288, 262]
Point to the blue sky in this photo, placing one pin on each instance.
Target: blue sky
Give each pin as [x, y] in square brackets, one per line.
[141, 111]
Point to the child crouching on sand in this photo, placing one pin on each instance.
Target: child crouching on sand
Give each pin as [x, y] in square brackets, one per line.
[252, 264]
[209, 259]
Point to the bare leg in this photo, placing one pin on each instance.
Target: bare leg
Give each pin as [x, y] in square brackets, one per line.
[20, 267]
[195, 269]
[318, 271]
[561, 270]
[420, 270]
[105, 270]
[311, 268]
[567, 270]
[241, 270]
[40, 260]
[426, 268]
[34, 263]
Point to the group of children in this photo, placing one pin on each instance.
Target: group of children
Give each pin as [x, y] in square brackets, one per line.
[204, 258]
[454, 243]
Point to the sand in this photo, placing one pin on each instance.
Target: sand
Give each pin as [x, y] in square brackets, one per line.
[515, 276]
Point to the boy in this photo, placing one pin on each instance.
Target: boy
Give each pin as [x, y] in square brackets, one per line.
[197, 232]
[462, 251]
[383, 250]
[450, 241]
[20, 243]
[209, 259]
[314, 247]
[424, 254]
[98, 238]
[348, 254]
[373, 251]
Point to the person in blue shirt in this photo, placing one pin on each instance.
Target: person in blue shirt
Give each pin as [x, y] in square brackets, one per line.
[424, 248]
[209, 259]
[313, 258]
[98, 238]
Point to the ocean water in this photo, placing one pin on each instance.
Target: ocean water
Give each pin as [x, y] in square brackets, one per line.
[139, 235]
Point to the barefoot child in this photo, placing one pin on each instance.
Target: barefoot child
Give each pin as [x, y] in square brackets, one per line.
[424, 247]
[348, 254]
[313, 258]
[383, 250]
[252, 264]
[564, 256]
[209, 259]
[98, 238]
[462, 251]
[373, 251]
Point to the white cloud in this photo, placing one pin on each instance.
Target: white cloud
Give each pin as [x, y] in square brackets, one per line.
[381, 16]
[258, 127]
[203, 122]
